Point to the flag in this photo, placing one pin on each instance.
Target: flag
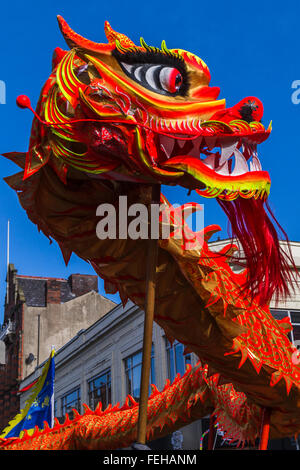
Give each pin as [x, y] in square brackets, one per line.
[39, 407]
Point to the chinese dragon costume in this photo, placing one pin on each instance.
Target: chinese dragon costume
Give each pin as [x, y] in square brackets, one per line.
[115, 119]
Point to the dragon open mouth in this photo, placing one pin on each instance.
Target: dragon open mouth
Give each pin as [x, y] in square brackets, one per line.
[226, 157]
[225, 166]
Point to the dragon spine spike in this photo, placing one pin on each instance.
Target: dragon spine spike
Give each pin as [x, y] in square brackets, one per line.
[112, 36]
[75, 413]
[74, 40]
[87, 409]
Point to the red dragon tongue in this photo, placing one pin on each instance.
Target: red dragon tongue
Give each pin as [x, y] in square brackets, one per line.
[271, 270]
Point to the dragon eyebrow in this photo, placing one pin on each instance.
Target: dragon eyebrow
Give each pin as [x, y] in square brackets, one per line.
[147, 53]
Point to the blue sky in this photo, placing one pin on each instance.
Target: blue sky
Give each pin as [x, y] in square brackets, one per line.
[251, 49]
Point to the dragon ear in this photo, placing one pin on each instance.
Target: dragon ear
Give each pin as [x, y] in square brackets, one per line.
[75, 40]
[113, 36]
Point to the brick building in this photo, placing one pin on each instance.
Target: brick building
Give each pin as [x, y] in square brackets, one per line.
[40, 312]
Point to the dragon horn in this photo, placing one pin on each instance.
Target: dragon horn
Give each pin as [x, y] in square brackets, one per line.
[75, 40]
[113, 36]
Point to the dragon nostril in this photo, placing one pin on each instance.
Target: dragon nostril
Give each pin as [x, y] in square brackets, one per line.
[247, 111]
[250, 110]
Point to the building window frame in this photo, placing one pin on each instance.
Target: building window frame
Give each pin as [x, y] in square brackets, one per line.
[281, 312]
[67, 406]
[133, 369]
[92, 388]
[174, 354]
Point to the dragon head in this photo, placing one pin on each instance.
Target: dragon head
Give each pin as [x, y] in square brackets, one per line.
[143, 114]
[140, 113]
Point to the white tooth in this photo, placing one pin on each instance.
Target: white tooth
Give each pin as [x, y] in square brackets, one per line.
[210, 161]
[194, 124]
[151, 122]
[181, 143]
[172, 126]
[189, 125]
[255, 164]
[227, 151]
[168, 145]
[246, 151]
[223, 170]
[240, 166]
[154, 123]
[164, 150]
[199, 126]
[194, 152]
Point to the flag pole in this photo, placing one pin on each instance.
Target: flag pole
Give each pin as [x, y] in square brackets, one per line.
[7, 264]
[52, 398]
[148, 326]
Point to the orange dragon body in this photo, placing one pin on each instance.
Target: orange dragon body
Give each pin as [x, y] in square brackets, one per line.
[113, 120]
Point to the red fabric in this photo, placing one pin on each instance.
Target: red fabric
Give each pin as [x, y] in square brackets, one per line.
[27, 387]
[269, 268]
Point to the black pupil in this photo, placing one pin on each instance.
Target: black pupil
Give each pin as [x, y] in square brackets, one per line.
[178, 79]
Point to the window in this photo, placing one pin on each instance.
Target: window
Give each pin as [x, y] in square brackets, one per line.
[100, 390]
[294, 316]
[133, 370]
[176, 360]
[70, 401]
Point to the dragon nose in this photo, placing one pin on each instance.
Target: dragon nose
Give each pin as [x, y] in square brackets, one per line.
[250, 109]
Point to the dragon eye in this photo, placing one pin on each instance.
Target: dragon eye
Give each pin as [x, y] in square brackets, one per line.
[171, 79]
[159, 78]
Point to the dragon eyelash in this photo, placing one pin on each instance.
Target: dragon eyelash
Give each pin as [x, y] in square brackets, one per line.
[155, 56]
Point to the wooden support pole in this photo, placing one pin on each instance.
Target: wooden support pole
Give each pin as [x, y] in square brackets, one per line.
[212, 433]
[265, 429]
[148, 327]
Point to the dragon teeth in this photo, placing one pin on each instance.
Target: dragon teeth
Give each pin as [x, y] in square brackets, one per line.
[167, 145]
[241, 165]
[210, 161]
[223, 169]
[227, 151]
[255, 164]
[181, 143]
[164, 150]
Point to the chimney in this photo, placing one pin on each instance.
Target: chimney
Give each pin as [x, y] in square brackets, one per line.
[83, 283]
[53, 291]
